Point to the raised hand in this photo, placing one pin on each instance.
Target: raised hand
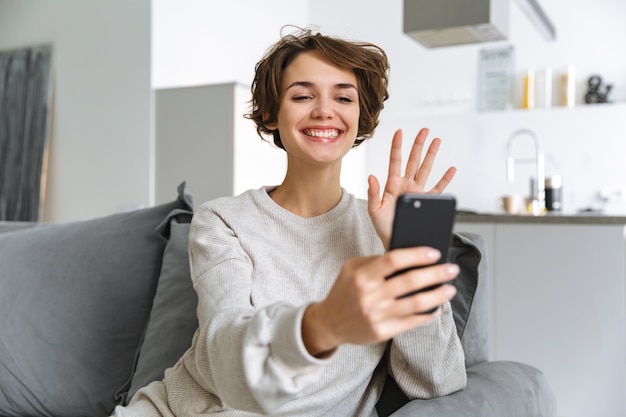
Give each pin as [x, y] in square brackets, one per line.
[414, 180]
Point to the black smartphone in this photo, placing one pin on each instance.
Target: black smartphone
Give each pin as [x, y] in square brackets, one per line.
[423, 220]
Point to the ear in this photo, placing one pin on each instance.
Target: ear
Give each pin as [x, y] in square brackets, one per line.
[269, 126]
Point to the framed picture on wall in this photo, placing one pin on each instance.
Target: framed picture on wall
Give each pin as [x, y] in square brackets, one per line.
[25, 101]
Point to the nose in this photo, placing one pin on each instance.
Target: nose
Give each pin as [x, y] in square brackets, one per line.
[323, 109]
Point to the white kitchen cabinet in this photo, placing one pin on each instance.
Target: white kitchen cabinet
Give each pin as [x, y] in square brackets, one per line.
[201, 137]
[558, 303]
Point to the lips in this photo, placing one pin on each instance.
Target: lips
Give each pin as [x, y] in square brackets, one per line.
[322, 133]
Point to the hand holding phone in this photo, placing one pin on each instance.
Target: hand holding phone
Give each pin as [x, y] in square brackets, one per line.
[423, 220]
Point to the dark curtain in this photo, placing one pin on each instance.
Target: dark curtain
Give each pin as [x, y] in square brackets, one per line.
[24, 108]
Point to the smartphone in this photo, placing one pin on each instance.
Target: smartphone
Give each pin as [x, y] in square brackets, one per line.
[423, 220]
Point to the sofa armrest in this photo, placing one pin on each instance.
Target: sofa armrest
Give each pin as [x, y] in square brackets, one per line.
[494, 389]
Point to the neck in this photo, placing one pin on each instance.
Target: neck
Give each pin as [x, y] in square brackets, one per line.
[310, 193]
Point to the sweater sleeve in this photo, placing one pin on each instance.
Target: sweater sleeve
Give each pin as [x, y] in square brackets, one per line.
[428, 361]
[253, 359]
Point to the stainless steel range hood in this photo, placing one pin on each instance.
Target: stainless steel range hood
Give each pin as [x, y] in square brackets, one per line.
[436, 23]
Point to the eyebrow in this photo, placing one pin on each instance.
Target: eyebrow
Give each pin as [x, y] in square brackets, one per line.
[310, 84]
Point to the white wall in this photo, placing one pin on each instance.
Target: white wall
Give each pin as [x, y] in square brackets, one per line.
[209, 41]
[435, 88]
[100, 147]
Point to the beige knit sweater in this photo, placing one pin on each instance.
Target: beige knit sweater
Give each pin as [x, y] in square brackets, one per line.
[256, 267]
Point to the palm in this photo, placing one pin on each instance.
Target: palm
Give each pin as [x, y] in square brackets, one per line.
[416, 174]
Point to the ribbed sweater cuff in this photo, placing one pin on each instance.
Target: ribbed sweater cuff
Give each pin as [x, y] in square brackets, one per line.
[289, 334]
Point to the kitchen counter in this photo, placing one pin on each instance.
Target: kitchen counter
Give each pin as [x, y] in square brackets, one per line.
[582, 218]
[557, 285]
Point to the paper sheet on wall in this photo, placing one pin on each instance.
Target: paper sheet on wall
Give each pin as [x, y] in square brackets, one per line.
[496, 78]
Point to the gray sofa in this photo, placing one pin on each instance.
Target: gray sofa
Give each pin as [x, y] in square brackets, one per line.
[91, 311]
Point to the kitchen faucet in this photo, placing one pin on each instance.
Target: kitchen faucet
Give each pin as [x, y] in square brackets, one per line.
[537, 196]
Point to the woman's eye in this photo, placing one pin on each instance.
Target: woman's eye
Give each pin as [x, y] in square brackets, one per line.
[301, 98]
[345, 99]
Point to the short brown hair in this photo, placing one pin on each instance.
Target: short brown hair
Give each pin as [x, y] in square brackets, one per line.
[368, 61]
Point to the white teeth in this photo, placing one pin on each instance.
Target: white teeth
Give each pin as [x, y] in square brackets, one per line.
[330, 134]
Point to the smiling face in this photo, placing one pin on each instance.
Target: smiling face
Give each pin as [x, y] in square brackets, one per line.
[318, 114]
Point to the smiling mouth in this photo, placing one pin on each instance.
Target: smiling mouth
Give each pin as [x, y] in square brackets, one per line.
[322, 133]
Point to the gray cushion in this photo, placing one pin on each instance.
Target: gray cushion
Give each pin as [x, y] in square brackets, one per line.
[173, 320]
[466, 254]
[494, 389]
[74, 302]
[474, 312]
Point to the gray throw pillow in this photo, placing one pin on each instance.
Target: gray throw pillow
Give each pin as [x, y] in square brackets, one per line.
[74, 302]
[173, 320]
[465, 253]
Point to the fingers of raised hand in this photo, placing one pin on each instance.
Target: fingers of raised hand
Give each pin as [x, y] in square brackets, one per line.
[418, 171]
[444, 181]
[415, 157]
[422, 174]
[395, 156]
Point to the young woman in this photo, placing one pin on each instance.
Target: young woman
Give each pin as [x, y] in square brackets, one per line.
[296, 317]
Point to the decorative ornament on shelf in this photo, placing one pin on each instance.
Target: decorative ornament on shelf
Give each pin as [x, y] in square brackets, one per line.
[597, 93]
